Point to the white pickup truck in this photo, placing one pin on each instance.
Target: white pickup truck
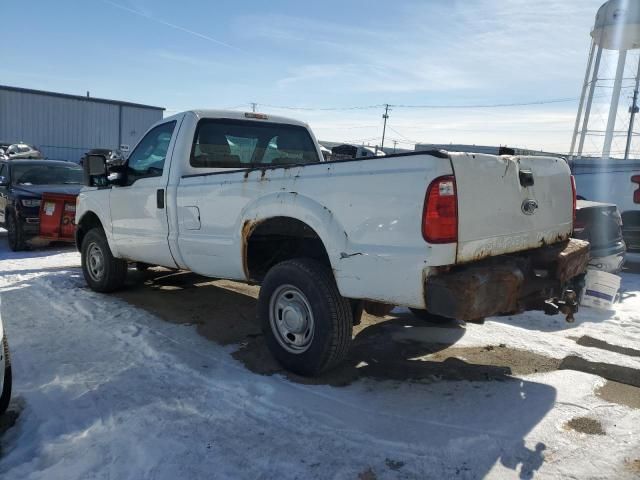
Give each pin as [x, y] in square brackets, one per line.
[248, 197]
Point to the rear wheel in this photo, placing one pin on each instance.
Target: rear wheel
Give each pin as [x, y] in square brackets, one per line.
[102, 271]
[15, 235]
[306, 322]
[5, 396]
[430, 317]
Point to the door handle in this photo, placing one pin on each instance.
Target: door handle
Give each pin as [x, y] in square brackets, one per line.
[160, 198]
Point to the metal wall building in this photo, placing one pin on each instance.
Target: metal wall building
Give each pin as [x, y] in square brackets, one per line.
[65, 126]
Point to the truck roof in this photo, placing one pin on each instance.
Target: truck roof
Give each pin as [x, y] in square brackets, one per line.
[256, 117]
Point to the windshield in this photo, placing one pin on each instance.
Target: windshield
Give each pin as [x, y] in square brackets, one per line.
[46, 175]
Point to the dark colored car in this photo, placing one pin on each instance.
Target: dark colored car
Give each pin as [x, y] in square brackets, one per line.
[22, 183]
[601, 225]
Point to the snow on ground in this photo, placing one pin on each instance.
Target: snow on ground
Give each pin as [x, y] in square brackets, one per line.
[110, 391]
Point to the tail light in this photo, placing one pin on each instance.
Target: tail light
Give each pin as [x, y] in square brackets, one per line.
[636, 194]
[440, 215]
[575, 197]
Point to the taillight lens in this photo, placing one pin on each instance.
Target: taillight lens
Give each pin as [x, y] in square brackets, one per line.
[575, 197]
[636, 194]
[440, 215]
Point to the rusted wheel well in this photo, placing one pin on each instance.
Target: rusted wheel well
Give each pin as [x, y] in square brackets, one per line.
[277, 239]
[89, 221]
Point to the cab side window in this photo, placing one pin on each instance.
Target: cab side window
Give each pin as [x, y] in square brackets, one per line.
[147, 160]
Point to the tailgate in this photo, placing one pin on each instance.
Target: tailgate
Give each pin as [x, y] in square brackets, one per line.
[509, 204]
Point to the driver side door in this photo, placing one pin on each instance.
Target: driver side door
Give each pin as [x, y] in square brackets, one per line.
[138, 209]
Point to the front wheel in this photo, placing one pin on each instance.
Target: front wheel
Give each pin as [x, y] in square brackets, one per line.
[102, 271]
[306, 322]
[15, 235]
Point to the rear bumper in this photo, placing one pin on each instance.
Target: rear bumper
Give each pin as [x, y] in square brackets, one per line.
[507, 284]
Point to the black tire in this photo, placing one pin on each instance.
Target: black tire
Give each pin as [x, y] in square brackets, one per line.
[108, 276]
[331, 316]
[5, 396]
[430, 317]
[15, 235]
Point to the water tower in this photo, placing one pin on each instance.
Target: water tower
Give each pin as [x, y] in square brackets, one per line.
[613, 69]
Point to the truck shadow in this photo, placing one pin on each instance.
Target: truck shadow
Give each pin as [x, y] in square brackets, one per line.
[399, 347]
[468, 386]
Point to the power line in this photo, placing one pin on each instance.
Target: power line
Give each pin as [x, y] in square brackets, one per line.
[285, 107]
[493, 105]
[402, 136]
[425, 106]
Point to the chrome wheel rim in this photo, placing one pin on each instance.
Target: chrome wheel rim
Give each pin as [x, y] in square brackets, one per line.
[95, 262]
[291, 319]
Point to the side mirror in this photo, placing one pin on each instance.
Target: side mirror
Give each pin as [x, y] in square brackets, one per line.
[117, 174]
[4, 182]
[95, 171]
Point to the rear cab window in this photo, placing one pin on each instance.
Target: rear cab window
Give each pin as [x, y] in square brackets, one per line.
[227, 143]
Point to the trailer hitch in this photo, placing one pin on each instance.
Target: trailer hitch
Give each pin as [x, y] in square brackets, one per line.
[567, 304]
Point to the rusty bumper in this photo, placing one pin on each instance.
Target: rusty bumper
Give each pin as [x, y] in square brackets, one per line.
[507, 284]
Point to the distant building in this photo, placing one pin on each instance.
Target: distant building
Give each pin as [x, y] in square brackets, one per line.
[64, 127]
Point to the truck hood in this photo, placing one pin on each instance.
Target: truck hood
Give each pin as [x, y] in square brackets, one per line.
[38, 190]
[508, 204]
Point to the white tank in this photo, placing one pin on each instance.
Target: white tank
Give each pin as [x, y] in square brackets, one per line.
[617, 25]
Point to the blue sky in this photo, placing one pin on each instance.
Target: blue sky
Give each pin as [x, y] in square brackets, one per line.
[224, 54]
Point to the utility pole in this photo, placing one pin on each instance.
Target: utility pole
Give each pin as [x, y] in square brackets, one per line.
[384, 129]
[633, 110]
[395, 143]
[254, 105]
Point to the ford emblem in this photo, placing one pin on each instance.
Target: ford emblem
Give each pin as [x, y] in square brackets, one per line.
[529, 207]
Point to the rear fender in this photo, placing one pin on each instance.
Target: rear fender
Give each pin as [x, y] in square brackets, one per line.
[299, 207]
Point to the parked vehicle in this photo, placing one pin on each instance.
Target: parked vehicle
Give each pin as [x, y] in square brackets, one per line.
[345, 152]
[600, 224]
[22, 183]
[617, 182]
[5, 370]
[22, 150]
[247, 197]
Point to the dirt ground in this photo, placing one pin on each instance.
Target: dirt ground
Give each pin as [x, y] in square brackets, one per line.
[225, 312]
[585, 425]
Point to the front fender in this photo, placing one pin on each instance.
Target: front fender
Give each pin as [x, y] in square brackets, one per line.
[96, 201]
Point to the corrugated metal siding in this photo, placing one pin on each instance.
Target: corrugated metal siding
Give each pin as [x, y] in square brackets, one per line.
[65, 128]
[135, 122]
